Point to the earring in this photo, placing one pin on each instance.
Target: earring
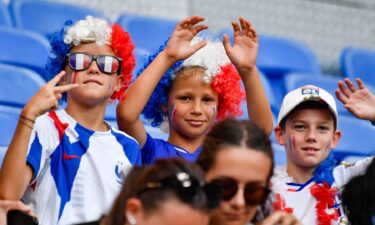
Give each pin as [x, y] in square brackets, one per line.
[131, 219]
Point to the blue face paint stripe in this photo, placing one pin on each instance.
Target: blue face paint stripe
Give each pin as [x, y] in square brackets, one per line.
[65, 162]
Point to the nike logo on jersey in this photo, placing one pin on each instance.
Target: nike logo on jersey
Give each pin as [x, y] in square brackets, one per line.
[68, 157]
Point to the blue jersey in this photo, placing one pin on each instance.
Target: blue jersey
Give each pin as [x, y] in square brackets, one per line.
[159, 149]
[77, 172]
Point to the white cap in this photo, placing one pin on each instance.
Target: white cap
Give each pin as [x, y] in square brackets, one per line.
[303, 94]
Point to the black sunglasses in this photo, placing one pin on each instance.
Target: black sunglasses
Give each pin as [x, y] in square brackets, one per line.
[187, 188]
[107, 64]
[255, 193]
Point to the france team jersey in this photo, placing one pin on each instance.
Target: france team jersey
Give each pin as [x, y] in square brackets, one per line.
[159, 149]
[297, 198]
[77, 172]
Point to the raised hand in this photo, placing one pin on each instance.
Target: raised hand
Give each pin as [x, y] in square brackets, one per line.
[244, 51]
[359, 101]
[47, 97]
[178, 46]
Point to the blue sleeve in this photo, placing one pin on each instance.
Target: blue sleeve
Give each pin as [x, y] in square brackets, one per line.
[133, 152]
[148, 150]
[130, 146]
[34, 156]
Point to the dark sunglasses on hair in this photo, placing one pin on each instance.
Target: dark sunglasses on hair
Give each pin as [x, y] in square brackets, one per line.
[187, 188]
[255, 193]
[107, 64]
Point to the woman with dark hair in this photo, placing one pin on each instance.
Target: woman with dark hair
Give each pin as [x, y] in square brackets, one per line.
[358, 198]
[168, 192]
[237, 156]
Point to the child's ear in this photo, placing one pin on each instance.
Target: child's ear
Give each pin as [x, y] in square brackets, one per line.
[335, 139]
[119, 80]
[279, 132]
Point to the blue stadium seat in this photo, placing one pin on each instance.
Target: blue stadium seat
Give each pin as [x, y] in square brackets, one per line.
[4, 15]
[357, 62]
[24, 48]
[8, 121]
[110, 113]
[3, 150]
[147, 32]
[46, 17]
[356, 138]
[270, 95]
[141, 55]
[278, 56]
[18, 85]
[279, 154]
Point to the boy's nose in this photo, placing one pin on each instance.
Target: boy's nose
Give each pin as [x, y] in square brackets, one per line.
[93, 68]
[311, 135]
[197, 109]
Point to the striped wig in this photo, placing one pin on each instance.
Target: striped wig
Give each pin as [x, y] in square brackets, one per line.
[97, 30]
[219, 72]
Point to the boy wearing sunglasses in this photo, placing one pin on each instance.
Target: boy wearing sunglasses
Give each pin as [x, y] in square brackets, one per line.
[309, 185]
[68, 164]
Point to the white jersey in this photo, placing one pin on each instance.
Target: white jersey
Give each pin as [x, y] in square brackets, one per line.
[77, 172]
[297, 198]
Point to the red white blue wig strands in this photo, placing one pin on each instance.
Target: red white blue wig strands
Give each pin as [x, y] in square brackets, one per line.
[219, 72]
[97, 30]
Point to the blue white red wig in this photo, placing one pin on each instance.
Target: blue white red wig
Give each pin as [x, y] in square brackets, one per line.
[218, 71]
[97, 30]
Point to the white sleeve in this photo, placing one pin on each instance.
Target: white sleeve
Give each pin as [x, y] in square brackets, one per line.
[343, 173]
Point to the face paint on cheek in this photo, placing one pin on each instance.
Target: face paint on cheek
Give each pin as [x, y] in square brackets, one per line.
[172, 112]
[214, 112]
[328, 147]
[73, 77]
[291, 143]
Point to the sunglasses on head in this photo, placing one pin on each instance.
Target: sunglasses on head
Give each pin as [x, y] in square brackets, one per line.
[107, 64]
[255, 193]
[187, 188]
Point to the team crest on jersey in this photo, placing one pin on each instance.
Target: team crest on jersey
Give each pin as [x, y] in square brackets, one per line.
[119, 168]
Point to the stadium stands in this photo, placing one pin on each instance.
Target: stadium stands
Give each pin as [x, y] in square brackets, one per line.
[270, 95]
[279, 56]
[8, 121]
[355, 140]
[46, 17]
[356, 62]
[18, 85]
[147, 32]
[4, 15]
[24, 48]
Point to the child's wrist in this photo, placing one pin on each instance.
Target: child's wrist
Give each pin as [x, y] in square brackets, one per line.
[170, 60]
[248, 71]
[28, 115]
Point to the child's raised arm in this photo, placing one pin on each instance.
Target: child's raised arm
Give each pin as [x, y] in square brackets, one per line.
[178, 47]
[15, 174]
[360, 102]
[243, 55]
